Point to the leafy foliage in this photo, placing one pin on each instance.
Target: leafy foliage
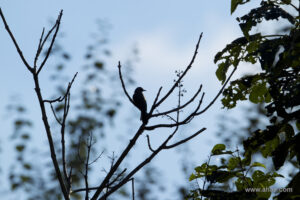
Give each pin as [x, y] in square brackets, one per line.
[236, 170]
[276, 86]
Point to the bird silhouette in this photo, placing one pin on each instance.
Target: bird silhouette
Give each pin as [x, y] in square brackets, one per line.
[140, 102]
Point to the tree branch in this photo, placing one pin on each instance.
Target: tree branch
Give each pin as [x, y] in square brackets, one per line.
[149, 144]
[184, 140]
[183, 74]
[181, 107]
[42, 105]
[218, 94]
[15, 43]
[118, 162]
[57, 24]
[123, 84]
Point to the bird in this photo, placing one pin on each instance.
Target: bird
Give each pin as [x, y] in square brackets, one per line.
[140, 102]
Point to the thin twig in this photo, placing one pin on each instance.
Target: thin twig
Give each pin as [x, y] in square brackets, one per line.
[39, 49]
[185, 121]
[183, 74]
[132, 188]
[118, 162]
[52, 41]
[154, 103]
[184, 140]
[55, 116]
[123, 84]
[95, 160]
[181, 107]
[15, 43]
[149, 144]
[218, 94]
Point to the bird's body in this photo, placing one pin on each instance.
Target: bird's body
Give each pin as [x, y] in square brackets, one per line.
[140, 102]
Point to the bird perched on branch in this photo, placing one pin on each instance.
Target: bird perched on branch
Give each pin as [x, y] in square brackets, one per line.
[140, 102]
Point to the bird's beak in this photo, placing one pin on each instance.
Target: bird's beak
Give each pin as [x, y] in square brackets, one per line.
[144, 90]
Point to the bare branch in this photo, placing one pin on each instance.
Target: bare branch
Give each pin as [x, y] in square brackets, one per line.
[182, 75]
[138, 167]
[132, 188]
[219, 93]
[184, 140]
[149, 144]
[119, 161]
[60, 99]
[95, 160]
[123, 84]
[147, 160]
[57, 24]
[185, 121]
[55, 116]
[89, 146]
[15, 42]
[39, 49]
[180, 107]
[154, 103]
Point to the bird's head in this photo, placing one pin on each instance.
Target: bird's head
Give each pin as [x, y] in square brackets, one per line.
[139, 90]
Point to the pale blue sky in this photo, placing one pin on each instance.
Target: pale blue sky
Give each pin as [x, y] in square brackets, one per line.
[164, 31]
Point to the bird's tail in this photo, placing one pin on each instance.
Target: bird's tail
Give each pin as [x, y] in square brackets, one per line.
[144, 117]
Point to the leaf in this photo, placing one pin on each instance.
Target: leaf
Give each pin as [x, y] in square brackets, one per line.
[253, 46]
[257, 164]
[14, 186]
[218, 148]
[298, 124]
[234, 4]
[20, 148]
[201, 169]
[220, 176]
[27, 166]
[192, 177]
[242, 183]
[25, 179]
[258, 176]
[233, 163]
[258, 92]
[25, 136]
[289, 131]
[221, 71]
[98, 65]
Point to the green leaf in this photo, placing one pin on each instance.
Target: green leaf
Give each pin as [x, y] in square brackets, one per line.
[27, 166]
[25, 179]
[298, 124]
[201, 169]
[234, 4]
[221, 71]
[258, 176]
[218, 148]
[287, 1]
[20, 148]
[14, 186]
[25, 136]
[289, 131]
[269, 147]
[192, 177]
[257, 164]
[275, 174]
[265, 194]
[253, 46]
[242, 183]
[233, 163]
[99, 65]
[258, 92]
